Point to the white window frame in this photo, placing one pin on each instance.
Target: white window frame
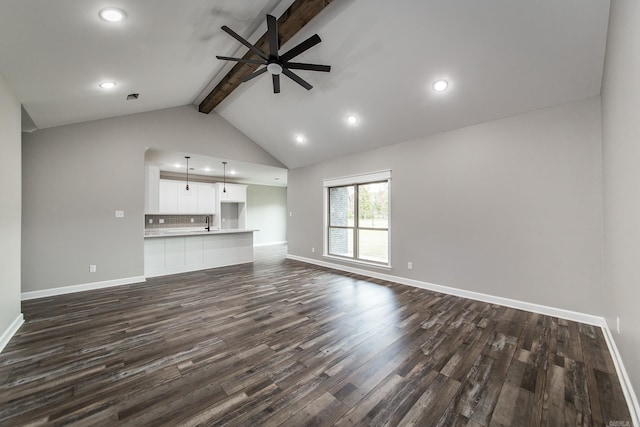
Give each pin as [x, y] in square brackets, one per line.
[365, 178]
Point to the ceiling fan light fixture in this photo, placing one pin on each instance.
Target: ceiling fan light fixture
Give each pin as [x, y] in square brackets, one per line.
[112, 14]
[440, 85]
[274, 68]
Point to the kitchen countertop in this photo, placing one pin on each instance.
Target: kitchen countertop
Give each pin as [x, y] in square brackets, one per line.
[181, 232]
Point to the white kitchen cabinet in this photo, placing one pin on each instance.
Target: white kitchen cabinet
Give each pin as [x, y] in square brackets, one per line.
[173, 253]
[153, 256]
[152, 188]
[173, 197]
[193, 251]
[187, 199]
[168, 196]
[206, 198]
[212, 249]
[235, 193]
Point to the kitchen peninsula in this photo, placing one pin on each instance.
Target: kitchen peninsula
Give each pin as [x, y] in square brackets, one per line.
[169, 251]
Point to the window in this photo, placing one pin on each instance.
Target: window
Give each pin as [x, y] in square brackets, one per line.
[357, 224]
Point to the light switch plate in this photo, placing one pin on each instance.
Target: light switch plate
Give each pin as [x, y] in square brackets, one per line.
[119, 214]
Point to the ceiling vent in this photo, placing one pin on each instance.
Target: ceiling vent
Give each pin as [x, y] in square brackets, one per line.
[132, 96]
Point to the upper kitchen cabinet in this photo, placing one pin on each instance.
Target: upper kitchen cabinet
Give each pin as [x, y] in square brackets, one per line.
[174, 198]
[168, 196]
[236, 193]
[187, 199]
[152, 184]
[206, 198]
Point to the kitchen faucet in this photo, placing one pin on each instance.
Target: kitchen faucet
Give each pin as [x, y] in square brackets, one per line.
[206, 221]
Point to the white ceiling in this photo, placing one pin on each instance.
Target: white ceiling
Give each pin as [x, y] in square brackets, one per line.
[501, 57]
[54, 53]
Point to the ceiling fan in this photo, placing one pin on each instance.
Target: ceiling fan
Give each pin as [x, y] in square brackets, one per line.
[274, 63]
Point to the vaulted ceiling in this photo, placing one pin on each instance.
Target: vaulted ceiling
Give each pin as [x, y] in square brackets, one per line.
[500, 58]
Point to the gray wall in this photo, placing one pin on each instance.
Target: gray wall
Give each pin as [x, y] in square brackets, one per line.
[267, 212]
[10, 194]
[621, 171]
[511, 208]
[75, 177]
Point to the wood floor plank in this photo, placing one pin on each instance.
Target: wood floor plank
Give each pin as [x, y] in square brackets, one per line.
[281, 342]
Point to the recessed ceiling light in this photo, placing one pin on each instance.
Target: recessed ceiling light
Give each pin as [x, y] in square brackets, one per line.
[232, 172]
[177, 165]
[440, 85]
[111, 14]
[300, 139]
[207, 169]
[352, 120]
[108, 85]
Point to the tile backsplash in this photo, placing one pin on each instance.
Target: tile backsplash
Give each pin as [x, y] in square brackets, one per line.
[152, 221]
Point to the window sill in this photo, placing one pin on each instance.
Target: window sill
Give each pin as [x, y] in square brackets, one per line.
[358, 262]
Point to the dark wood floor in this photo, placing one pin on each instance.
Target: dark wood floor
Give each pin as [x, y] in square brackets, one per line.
[280, 342]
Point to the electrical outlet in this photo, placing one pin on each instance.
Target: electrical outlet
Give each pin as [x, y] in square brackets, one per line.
[192, 220]
[410, 265]
[618, 324]
[161, 220]
[313, 250]
[150, 221]
[119, 214]
[290, 213]
[92, 268]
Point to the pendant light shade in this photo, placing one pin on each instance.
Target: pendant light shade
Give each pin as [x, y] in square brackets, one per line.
[224, 177]
[187, 157]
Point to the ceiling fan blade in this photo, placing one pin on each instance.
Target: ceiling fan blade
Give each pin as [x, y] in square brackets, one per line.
[297, 50]
[310, 67]
[272, 29]
[254, 74]
[276, 83]
[244, 42]
[296, 79]
[242, 60]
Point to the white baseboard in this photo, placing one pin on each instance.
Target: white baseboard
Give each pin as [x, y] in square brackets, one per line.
[627, 388]
[625, 382]
[82, 287]
[284, 242]
[11, 331]
[492, 299]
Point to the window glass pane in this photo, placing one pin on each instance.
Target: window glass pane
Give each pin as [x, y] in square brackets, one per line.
[373, 205]
[373, 245]
[341, 241]
[341, 206]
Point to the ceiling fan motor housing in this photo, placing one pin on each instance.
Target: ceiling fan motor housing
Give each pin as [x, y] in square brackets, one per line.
[275, 63]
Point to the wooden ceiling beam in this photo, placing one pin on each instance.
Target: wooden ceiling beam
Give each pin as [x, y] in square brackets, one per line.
[292, 20]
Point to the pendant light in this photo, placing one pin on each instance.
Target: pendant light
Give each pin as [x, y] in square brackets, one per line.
[187, 157]
[224, 177]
